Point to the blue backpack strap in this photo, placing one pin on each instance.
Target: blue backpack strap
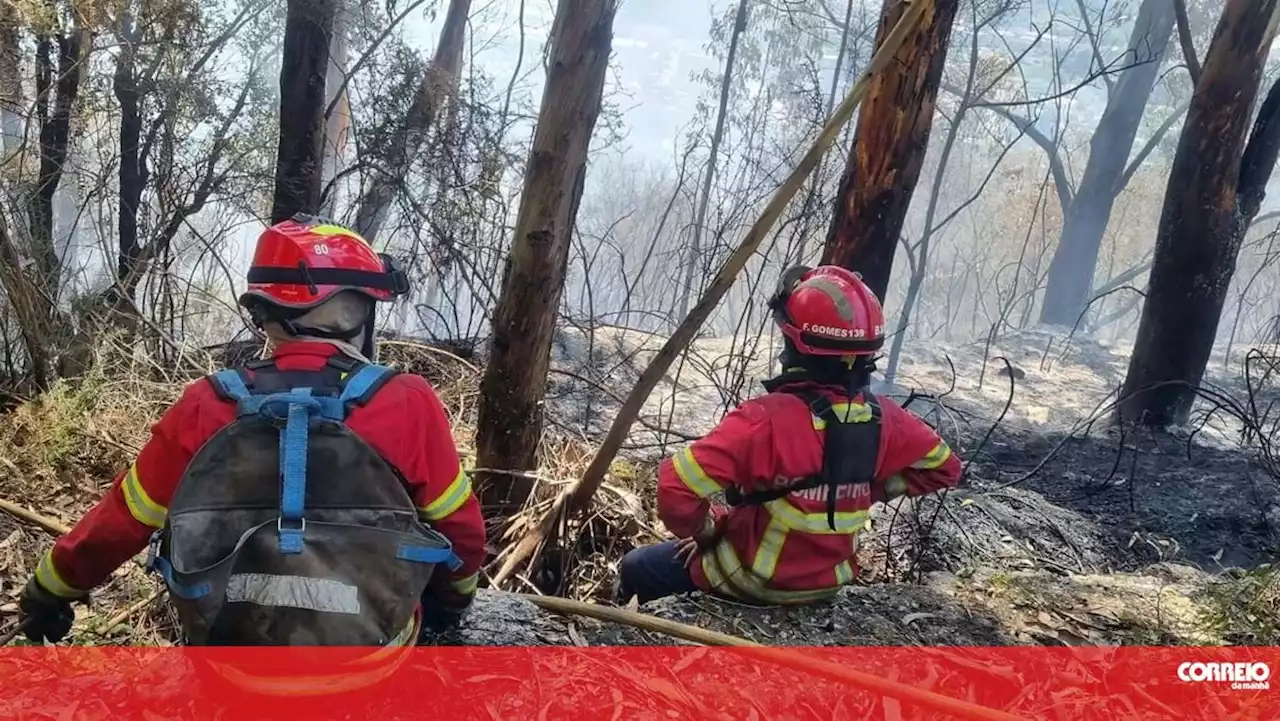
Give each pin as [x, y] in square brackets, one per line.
[364, 383]
[230, 385]
[293, 468]
[428, 554]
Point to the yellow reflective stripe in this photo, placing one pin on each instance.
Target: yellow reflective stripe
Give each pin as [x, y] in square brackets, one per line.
[844, 573]
[327, 229]
[694, 477]
[468, 584]
[144, 510]
[797, 520]
[766, 560]
[47, 576]
[380, 664]
[847, 413]
[451, 500]
[935, 457]
[726, 574]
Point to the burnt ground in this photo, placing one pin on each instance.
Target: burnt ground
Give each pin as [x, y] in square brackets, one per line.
[1160, 498]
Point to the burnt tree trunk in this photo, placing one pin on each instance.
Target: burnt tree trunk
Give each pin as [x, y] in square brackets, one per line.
[889, 146]
[1215, 188]
[60, 86]
[11, 101]
[308, 31]
[57, 87]
[438, 83]
[1085, 220]
[131, 174]
[509, 423]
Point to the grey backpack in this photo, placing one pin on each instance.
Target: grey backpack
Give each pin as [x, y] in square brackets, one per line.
[287, 528]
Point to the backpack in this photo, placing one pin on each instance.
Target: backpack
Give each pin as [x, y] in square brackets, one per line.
[287, 528]
[849, 454]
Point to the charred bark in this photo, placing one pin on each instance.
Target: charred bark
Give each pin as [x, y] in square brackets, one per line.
[308, 31]
[509, 424]
[439, 82]
[55, 130]
[11, 100]
[1215, 189]
[1085, 223]
[132, 175]
[889, 146]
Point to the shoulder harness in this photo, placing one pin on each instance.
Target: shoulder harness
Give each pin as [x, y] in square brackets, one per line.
[297, 398]
[849, 454]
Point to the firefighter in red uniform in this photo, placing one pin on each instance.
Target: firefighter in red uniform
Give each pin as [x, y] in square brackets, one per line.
[797, 500]
[307, 324]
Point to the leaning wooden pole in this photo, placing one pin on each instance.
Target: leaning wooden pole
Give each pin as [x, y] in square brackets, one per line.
[578, 496]
[782, 656]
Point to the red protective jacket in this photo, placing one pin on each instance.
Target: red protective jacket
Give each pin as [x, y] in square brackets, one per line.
[784, 552]
[404, 422]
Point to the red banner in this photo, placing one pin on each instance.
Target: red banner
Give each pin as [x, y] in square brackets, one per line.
[651, 683]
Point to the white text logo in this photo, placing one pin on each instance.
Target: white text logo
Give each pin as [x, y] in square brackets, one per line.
[1241, 675]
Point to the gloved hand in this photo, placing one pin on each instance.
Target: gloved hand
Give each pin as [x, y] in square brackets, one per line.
[44, 616]
[438, 617]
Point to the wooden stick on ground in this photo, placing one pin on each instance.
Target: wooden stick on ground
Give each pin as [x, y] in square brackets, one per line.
[782, 656]
[578, 497]
[34, 518]
[57, 529]
[124, 615]
[12, 633]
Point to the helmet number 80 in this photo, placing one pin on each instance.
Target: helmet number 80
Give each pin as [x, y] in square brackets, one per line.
[320, 249]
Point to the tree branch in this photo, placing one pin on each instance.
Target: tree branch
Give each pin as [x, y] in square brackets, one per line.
[1150, 146]
[1093, 44]
[1061, 181]
[1188, 44]
[1260, 156]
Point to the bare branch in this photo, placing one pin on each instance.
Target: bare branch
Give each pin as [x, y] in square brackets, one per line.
[1188, 44]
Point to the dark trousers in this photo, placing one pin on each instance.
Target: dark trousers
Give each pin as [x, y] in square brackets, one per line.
[651, 572]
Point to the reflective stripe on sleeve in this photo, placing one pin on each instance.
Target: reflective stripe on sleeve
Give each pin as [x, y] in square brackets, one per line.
[694, 477]
[141, 507]
[47, 576]
[451, 500]
[934, 458]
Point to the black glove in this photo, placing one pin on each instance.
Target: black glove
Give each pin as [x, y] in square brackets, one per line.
[44, 615]
[438, 617]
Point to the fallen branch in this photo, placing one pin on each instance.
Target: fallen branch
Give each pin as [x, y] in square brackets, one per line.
[13, 632]
[124, 615]
[579, 496]
[33, 518]
[781, 656]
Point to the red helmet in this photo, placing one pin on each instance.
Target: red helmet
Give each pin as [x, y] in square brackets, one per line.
[828, 311]
[302, 262]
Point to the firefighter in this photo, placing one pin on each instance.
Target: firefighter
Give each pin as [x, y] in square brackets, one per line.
[313, 289]
[799, 467]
